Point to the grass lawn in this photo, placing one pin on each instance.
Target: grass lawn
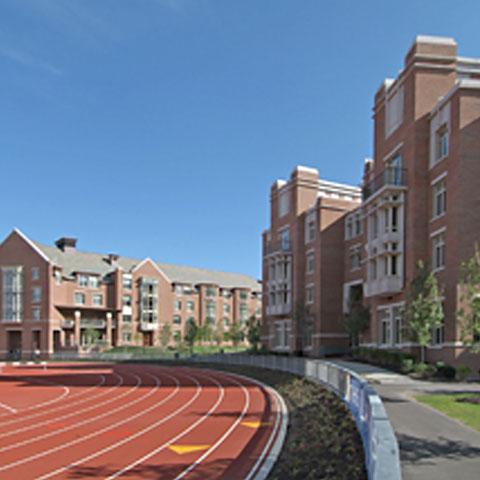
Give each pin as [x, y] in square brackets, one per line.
[467, 413]
[158, 352]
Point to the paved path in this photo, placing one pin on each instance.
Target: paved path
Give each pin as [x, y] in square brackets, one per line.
[432, 446]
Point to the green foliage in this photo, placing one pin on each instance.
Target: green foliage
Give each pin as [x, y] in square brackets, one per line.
[253, 333]
[191, 334]
[235, 334]
[92, 335]
[424, 311]
[424, 370]
[463, 371]
[445, 371]
[469, 313]
[219, 333]
[303, 322]
[165, 335]
[406, 365]
[383, 358]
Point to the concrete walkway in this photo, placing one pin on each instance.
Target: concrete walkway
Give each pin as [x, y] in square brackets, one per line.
[432, 445]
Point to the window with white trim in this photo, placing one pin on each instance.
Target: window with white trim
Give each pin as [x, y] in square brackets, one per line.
[79, 298]
[93, 282]
[190, 306]
[36, 314]
[35, 273]
[385, 326]
[285, 239]
[283, 202]
[441, 143]
[309, 294]
[36, 294]
[310, 262]
[355, 257]
[97, 299]
[310, 227]
[178, 305]
[393, 111]
[438, 251]
[82, 281]
[439, 198]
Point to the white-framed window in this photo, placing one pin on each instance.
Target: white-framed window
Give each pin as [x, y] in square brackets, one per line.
[439, 198]
[190, 306]
[179, 289]
[348, 227]
[441, 143]
[211, 292]
[211, 310]
[393, 111]
[226, 321]
[127, 300]
[177, 320]
[310, 262]
[272, 296]
[127, 318]
[126, 337]
[385, 326]
[226, 308]
[36, 294]
[58, 277]
[438, 251]
[178, 305]
[283, 202]
[310, 224]
[390, 324]
[285, 239]
[36, 314]
[12, 294]
[357, 223]
[93, 281]
[309, 294]
[438, 335]
[355, 257]
[82, 281]
[79, 298]
[243, 312]
[97, 299]
[372, 269]
[226, 293]
[35, 274]
[127, 281]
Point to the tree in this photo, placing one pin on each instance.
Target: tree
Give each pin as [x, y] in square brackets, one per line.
[191, 333]
[424, 311]
[357, 319]
[253, 333]
[235, 334]
[165, 335]
[219, 334]
[92, 335]
[469, 312]
[304, 324]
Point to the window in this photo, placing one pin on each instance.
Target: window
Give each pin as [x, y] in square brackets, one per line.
[438, 253]
[12, 294]
[179, 289]
[36, 313]
[178, 305]
[127, 281]
[243, 312]
[385, 326]
[36, 294]
[348, 227]
[355, 257]
[127, 318]
[310, 262]
[243, 295]
[93, 282]
[373, 269]
[393, 111]
[283, 202]
[79, 298]
[439, 198]
[35, 273]
[309, 294]
[177, 320]
[271, 275]
[397, 315]
[127, 300]
[82, 280]
[211, 310]
[225, 321]
[211, 292]
[310, 227]
[226, 308]
[285, 239]
[58, 277]
[272, 296]
[190, 306]
[438, 335]
[126, 337]
[441, 143]
[226, 293]
[97, 299]
[358, 224]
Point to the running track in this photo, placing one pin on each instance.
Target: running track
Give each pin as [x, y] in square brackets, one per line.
[81, 420]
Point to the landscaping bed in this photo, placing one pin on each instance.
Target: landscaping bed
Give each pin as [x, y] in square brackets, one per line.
[322, 441]
[461, 406]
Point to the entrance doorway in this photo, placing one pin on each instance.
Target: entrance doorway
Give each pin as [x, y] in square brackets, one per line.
[57, 344]
[148, 339]
[14, 345]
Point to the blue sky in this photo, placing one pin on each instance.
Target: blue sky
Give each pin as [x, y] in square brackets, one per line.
[156, 127]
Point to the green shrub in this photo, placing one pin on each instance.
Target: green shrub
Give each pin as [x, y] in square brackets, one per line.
[462, 372]
[424, 370]
[407, 365]
[382, 357]
[445, 371]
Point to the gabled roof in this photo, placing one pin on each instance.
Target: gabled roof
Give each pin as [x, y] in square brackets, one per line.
[97, 263]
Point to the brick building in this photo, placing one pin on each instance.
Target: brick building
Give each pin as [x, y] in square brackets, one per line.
[50, 296]
[420, 201]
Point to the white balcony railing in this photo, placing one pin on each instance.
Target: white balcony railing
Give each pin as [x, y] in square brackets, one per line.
[282, 309]
[148, 327]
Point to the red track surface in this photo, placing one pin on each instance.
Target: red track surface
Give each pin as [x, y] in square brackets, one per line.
[132, 421]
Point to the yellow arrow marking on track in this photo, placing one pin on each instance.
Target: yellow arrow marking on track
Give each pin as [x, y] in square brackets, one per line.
[255, 424]
[183, 449]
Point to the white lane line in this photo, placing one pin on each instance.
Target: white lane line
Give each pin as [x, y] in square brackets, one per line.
[67, 405]
[6, 407]
[84, 438]
[73, 426]
[174, 439]
[226, 434]
[72, 414]
[135, 435]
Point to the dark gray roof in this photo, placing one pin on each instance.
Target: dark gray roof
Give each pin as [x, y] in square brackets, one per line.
[78, 261]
